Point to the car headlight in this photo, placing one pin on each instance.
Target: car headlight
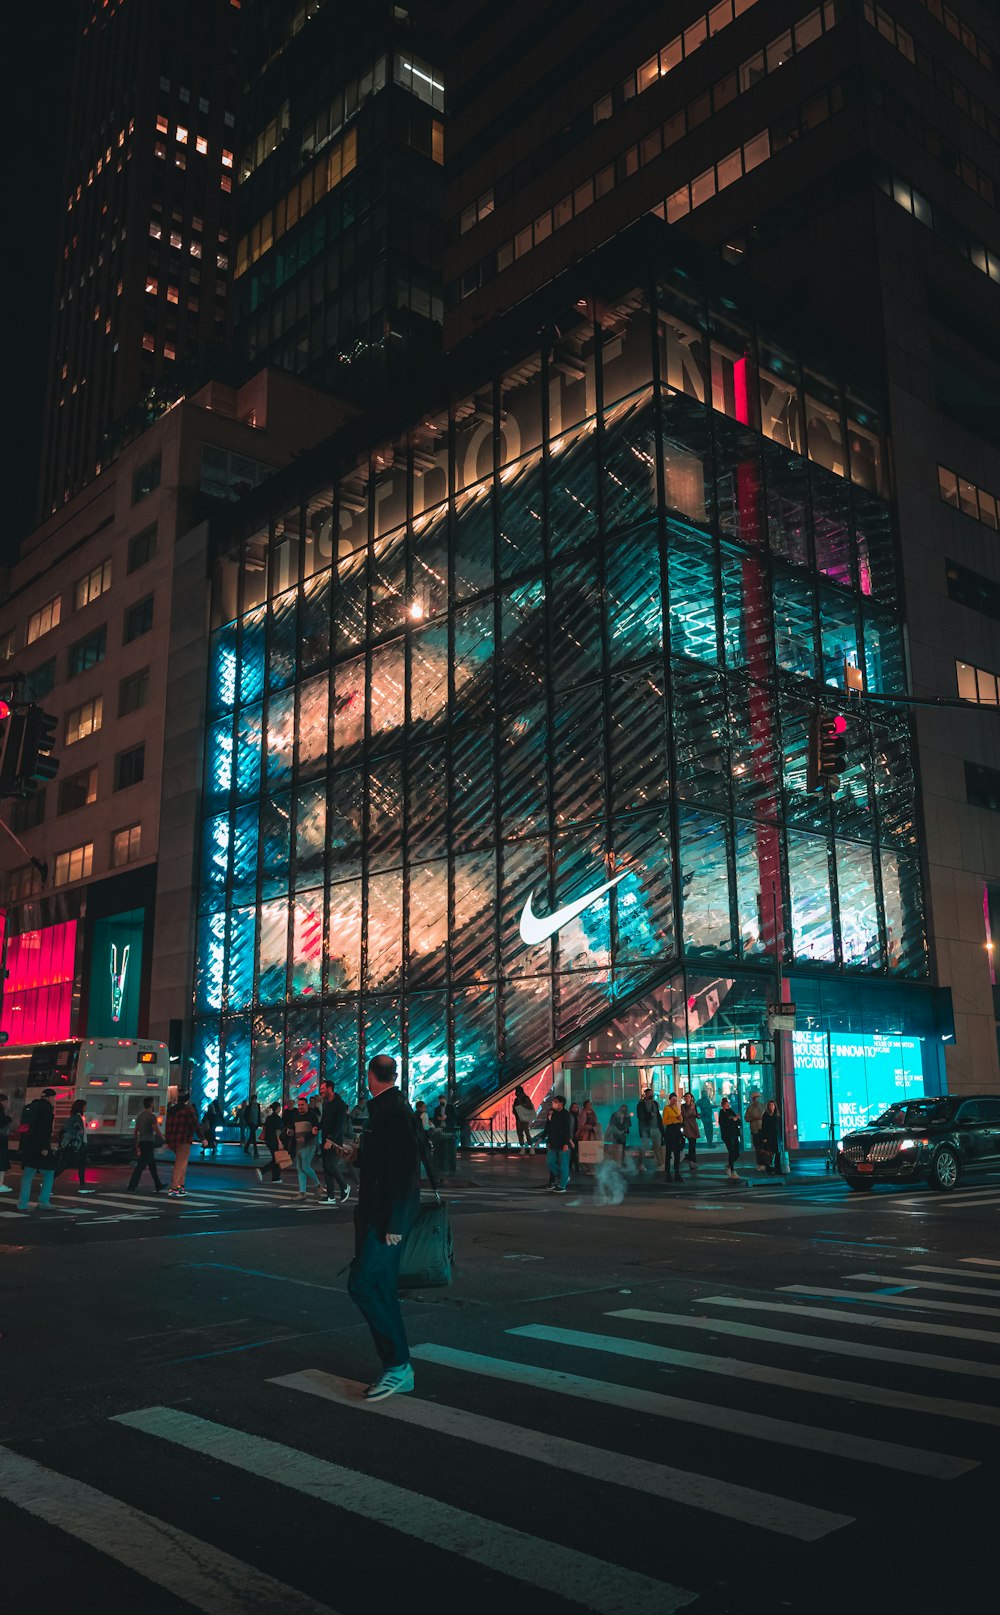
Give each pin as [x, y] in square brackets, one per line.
[840, 1145]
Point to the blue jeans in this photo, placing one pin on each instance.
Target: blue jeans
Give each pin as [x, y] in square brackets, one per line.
[558, 1165]
[304, 1165]
[372, 1287]
[47, 1176]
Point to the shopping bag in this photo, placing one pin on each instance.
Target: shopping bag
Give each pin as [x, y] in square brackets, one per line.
[428, 1249]
[591, 1151]
[283, 1158]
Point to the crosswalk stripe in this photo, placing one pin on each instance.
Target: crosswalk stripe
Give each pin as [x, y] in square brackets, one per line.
[984, 1198]
[926, 1284]
[597, 1584]
[960, 1273]
[861, 1320]
[829, 1345]
[196, 1572]
[760, 1426]
[735, 1502]
[980, 1261]
[911, 1300]
[944, 1407]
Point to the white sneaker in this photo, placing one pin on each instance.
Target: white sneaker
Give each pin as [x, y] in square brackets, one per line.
[4, 1189]
[393, 1380]
[260, 1175]
[346, 1194]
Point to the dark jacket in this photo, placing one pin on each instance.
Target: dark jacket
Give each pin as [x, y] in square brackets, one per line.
[647, 1114]
[730, 1126]
[36, 1143]
[559, 1129]
[389, 1163]
[770, 1131]
[272, 1131]
[333, 1120]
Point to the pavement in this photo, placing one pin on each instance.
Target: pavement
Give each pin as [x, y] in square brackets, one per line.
[764, 1396]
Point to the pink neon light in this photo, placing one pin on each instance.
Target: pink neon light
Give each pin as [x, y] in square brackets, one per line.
[741, 390]
[37, 1002]
[989, 935]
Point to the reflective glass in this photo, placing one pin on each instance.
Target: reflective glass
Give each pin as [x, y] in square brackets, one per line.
[809, 880]
[705, 917]
[632, 598]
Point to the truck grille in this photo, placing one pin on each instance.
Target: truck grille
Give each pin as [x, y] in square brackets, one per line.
[883, 1149]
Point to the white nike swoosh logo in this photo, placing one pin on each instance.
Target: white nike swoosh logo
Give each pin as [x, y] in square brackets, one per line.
[535, 928]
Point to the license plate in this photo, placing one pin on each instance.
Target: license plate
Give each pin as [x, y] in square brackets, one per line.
[863, 1166]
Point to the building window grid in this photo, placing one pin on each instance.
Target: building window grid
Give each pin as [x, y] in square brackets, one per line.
[126, 845]
[43, 620]
[742, 160]
[971, 500]
[252, 624]
[75, 864]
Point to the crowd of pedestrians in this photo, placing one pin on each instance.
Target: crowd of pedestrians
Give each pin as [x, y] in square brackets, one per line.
[670, 1133]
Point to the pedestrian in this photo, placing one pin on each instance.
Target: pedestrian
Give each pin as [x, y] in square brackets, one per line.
[524, 1115]
[274, 1128]
[647, 1114]
[209, 1122]
[587, 1131]
[388, 1197]
[422, 1118]
[440, 1116]
[672, 1134]
[147, 1140]
[306, 1135]
[617, 1132]
[732, 1134]
[182, 1129]
[574, 1143]
[753, 1115]
[251, 1120]
[558, 1136]
[770, 1139]
[334, 1123]
[73, 1144]
[37, 1154]
[706, 1103]
[5, 1128]
[690, 1127]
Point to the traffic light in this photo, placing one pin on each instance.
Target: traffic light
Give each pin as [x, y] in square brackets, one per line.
[11, 736]
[827, 750]
[37, 765]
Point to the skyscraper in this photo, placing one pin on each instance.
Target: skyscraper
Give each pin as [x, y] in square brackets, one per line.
[340, 192]
[145, 253]
[845, 154]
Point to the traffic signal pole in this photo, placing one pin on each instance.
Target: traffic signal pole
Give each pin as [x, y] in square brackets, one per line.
[43, 868]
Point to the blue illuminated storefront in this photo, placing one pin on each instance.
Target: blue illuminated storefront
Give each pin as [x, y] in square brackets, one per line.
[561, 638]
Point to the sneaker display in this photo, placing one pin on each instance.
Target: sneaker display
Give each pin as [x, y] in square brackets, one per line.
[394, 1379]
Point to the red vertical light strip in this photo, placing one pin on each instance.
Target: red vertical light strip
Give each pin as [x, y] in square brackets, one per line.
[741, 391]
[38, 1000]
[989, 935]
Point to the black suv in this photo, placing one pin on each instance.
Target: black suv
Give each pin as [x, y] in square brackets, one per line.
[937, 1139]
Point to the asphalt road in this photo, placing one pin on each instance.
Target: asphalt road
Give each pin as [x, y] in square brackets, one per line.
[754, 1397]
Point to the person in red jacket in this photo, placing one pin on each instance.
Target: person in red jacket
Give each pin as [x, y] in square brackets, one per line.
[182, 1129]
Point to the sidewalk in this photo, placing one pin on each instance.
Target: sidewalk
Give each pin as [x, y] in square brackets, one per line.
[512, 1168]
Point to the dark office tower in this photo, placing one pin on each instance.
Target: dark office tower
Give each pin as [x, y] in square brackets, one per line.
[141, 295]
[340, 191]
[845, 153]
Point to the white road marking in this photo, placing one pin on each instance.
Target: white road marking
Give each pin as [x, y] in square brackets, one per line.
[856, 1318]
[913, 1301]
[980, 1261]
[851, 1390]
[760, 1509]
[959, 1272]
[760, 1426]
[597, 1584]
[980, 1198]
[927, 1284]
[829, 1345]
[196, 1572]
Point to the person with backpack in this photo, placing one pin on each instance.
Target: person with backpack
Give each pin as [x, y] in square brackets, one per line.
[5, 1126]
[182, 1129]
[333, 1124]
[524, 1115]
[73, 1144]
[147, 1139]
[37, 1153]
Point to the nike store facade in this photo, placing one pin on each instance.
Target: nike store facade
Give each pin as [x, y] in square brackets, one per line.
[509, 706]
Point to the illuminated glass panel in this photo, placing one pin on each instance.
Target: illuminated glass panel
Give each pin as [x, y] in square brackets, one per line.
[809, 880]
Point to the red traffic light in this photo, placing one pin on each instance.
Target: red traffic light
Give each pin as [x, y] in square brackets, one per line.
[839, 724]
[4, 710]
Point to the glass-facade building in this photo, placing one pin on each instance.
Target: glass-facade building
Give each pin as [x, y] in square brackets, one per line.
[506, 757]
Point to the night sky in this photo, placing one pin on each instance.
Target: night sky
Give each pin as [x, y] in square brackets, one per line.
[39, 72]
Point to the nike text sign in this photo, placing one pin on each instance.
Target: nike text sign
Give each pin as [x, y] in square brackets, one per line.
[539, 927]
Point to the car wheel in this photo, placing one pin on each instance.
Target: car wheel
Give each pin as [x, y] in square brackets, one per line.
[945, 1169]
[865, 1185]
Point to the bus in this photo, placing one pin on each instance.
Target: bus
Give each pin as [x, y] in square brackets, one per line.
[114, 1075]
